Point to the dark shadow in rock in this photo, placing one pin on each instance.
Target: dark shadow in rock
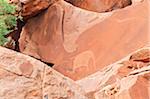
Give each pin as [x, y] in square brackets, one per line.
[49, 64]
[15, 35]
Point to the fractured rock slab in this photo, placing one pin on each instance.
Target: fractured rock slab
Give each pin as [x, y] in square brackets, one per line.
[23, 77]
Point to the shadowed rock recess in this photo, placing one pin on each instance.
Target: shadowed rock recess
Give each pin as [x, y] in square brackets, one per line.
[100, 50]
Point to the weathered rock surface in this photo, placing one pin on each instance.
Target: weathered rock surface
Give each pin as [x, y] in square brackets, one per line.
[30, 8]
[33, 7]
[81, 42]
[125, 79]
[100, 5]
[22, 77]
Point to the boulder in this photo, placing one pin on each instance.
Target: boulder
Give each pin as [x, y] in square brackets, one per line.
[80, 42]
[23, 77]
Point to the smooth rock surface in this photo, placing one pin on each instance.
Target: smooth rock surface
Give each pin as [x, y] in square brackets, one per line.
[81, 42]
[23, 77]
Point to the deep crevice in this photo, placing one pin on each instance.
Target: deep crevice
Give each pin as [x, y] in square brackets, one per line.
[49, 64]
[15, 35]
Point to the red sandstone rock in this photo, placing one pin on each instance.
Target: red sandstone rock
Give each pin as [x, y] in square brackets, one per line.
[23, 77]
[81, 42]
[46, 83]
[100, 5]
[113, 83]
[143, 55]
[33, 7]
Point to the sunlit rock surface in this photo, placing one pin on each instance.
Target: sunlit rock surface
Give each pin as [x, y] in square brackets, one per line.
[80, 42]
[83, 45]
[128, 78]
[23, 77]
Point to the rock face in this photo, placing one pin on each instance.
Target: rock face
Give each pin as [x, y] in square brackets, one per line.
[128, 78]
[81, 42]
[100, 5]
[82, 45]
[22, 77]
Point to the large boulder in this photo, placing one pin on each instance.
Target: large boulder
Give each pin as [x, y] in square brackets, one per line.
[23, 77]
[80, 42]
